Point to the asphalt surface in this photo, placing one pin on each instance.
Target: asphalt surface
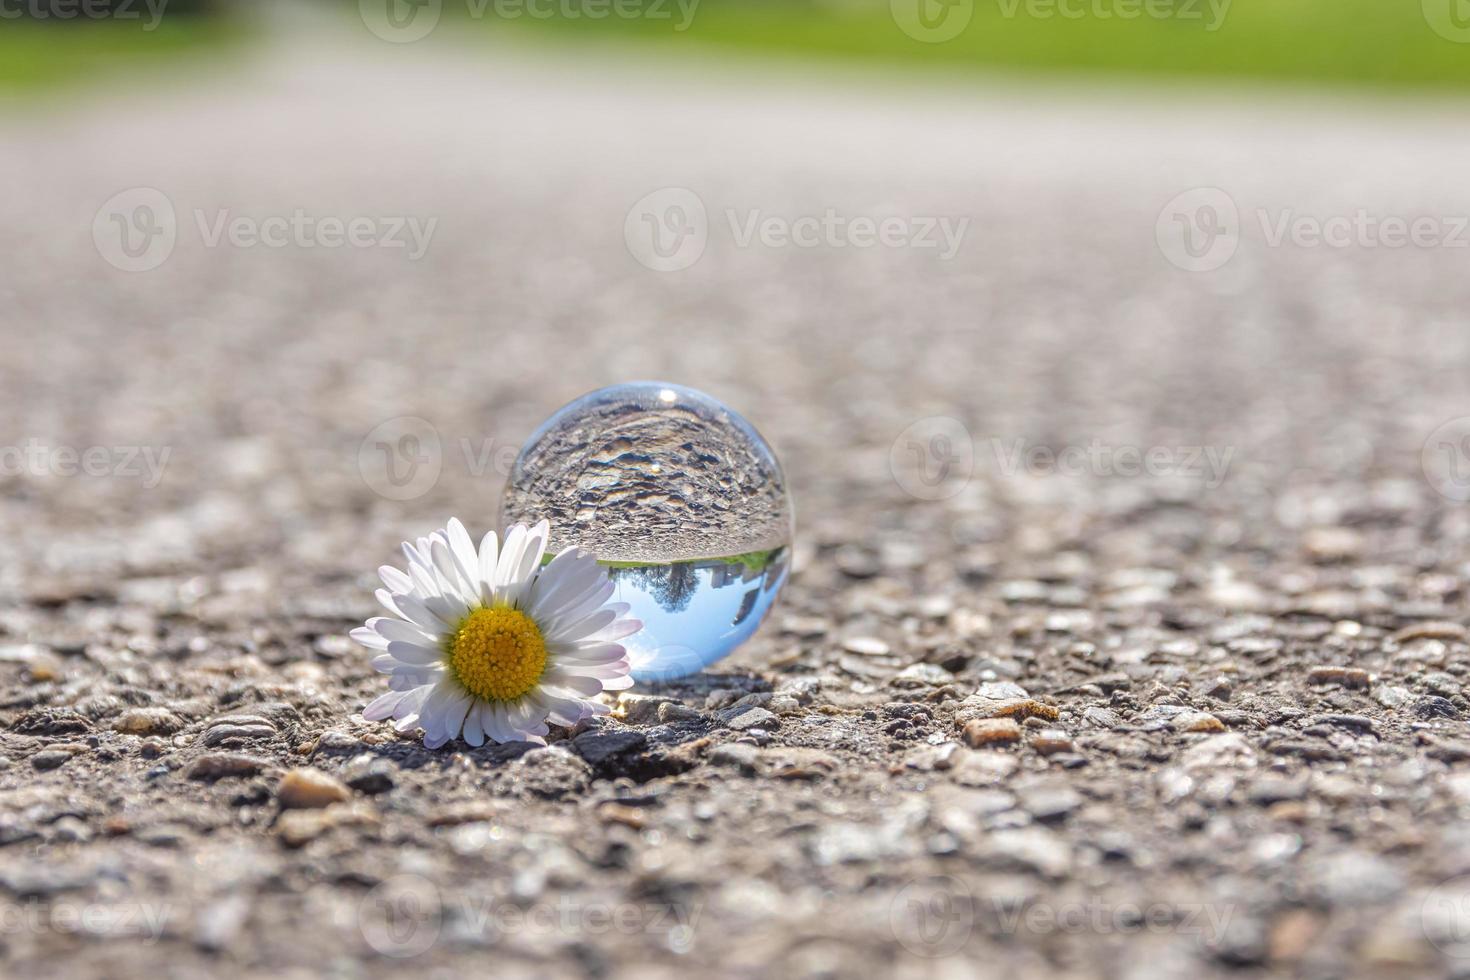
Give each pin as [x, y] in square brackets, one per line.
[1126, 630]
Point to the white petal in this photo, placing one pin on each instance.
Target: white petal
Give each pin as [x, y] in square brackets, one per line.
[474, 732]
[618, 630]
[413, 609]
[405, 677]
[425, 583]
[571, 574]
[615, 670]
[507, 717]
[493, 719]
[419, 688]
[560, 614]
[436, 705]
[533, 552]
[448, 606]
[454, 719]
[586, 652]
[407, 711]
[414, 653]
[388, 601]
[582, 628]
[369, 638]
[450, 575]
[442, 568]
[395, 579]
[587, 687]
[559, 709]
[510, 553]
[554, 574]
[529, 719]
[518, 723]
[463, 550]
[489, 556]
[417, 555]
[397, 629]
[383, 707]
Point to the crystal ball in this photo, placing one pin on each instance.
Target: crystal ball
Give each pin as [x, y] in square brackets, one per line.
[683, 502]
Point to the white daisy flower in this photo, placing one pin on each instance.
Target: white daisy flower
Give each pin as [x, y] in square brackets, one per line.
[491, 644]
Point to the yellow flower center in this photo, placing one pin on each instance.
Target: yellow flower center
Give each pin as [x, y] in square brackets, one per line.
[497, 654]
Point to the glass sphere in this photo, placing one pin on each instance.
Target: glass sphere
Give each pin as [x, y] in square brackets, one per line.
[680, 498]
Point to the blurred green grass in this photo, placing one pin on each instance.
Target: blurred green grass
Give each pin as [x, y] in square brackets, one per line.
[1365, 43]
[1352, 42]
[43, 55]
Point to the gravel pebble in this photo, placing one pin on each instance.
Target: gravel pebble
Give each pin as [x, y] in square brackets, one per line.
[309, 788]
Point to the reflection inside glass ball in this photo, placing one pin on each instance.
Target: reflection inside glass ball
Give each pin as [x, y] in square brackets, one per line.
[680, 498]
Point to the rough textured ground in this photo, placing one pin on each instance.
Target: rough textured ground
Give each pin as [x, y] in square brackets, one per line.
[1239, 740]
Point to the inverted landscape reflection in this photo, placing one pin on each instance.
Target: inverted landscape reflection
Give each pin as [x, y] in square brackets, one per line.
[695, 612]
